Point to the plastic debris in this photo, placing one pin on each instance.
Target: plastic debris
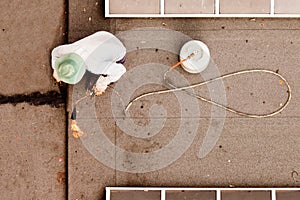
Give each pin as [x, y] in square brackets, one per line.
[280, 82]
[76, 131]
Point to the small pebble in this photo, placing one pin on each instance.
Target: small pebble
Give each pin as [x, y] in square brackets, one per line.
[90, 18]
[229, 161]
[60, 159]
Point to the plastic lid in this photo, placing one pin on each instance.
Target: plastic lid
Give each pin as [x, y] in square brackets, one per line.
[70, 68]
[199, 61]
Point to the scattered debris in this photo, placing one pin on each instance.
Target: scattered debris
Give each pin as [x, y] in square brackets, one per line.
[280, 82]
[90, 19]
[295, 175]
[229, 161]
[253, 19]
[61, 177]
[60, 159]
[77, 132]
[96, 4]
[84, 10]
[164, 24]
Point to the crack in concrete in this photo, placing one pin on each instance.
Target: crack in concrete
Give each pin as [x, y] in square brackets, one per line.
[51, 98]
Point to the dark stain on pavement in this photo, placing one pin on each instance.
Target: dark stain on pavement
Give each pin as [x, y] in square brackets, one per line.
[295, 176]
[52, 98]
[61, 177]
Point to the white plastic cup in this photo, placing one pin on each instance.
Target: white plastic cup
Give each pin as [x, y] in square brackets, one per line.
[198, 62]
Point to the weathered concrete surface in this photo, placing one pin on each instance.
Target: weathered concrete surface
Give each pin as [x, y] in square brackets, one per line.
[32, 157]
[29, 31]
[249, 152]
[32, 139]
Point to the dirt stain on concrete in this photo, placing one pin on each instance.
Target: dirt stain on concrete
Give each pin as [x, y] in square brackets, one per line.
[52, 98]
[61, 177]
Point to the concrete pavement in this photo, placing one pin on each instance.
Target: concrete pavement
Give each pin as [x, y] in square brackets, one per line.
[33, 140]
[249, 152]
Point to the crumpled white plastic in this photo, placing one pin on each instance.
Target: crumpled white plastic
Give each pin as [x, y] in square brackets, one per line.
[102, 83]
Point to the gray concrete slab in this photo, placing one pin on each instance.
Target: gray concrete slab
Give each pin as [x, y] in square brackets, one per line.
[84, 182]
[249, 152]
[32, 159]
[29, 31]
[86, 17]
[194, 24]
[242, 157]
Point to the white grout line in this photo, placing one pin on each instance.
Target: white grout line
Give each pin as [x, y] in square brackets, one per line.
[206, 15]
[106, 8]
[272, 7]
[163, 194]
[217, 7]
[273, 194]
[162, 7]
[107, 195]
[218, 194]
[218, 190]
[201, 189]
[216, 14]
